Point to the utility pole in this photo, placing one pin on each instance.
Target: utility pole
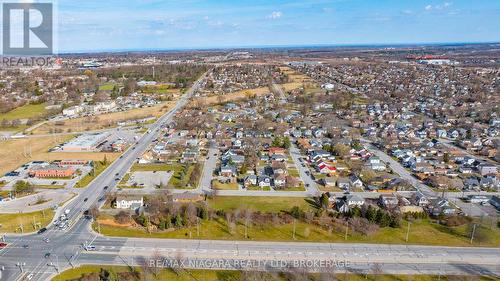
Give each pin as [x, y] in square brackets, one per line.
[472, 234]
[198, 226]
[346, 229]
[408, 231]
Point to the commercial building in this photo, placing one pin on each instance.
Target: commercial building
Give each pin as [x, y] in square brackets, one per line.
[51, 171]
[85, 142]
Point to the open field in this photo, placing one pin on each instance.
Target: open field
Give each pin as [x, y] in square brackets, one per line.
[12, 152]
[103, 121]
[108, 86]
[25, 112]
[297, 79]
[235, 96]
[233, 275]
[11, 222]
[224, 186]
[423, 233]
[262, 204]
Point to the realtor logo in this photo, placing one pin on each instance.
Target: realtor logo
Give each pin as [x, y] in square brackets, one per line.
[27, 29]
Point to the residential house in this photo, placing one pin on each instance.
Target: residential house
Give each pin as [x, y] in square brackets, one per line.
[388, 201]
[129, 202]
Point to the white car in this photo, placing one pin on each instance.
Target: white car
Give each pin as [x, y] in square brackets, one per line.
[30, 276]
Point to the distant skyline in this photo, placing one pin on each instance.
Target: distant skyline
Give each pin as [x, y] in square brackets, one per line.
[91, 25]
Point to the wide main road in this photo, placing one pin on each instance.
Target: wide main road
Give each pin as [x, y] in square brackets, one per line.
[59, 241]
[42, 256]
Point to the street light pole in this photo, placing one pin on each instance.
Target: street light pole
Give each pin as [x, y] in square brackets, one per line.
[408, 231]
[472, 234]
[346, 229]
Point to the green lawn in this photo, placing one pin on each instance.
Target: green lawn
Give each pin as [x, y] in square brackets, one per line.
[25, 112]
[99, 168]
[11, 222]
[263, 204]
[422, 233]
[52, 186]
[293, 172]
[258, 188]
[298, 188]
[224, 186]
[233, 275]
[108, 86]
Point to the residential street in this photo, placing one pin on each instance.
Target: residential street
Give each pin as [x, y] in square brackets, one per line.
[399, 169]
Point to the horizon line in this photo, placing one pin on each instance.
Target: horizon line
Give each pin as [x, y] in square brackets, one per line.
[263, 47]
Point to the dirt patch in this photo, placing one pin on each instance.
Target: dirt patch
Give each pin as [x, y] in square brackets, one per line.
[112, 222]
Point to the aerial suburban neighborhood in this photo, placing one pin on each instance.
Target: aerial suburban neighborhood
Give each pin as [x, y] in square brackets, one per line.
[365, 162]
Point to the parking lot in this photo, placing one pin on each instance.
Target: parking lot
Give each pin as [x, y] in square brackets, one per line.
[149, 180]
[22, 173]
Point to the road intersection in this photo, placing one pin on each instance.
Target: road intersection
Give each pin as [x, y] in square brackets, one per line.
[45, 255]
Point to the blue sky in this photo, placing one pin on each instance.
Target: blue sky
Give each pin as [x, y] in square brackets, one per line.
[94, 25]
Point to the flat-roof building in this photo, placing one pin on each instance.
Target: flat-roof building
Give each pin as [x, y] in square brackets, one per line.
[85, 142]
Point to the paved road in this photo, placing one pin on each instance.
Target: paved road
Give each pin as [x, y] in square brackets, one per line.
[208, 169]
[448, 143]
[65, 247]
[311, 187]
[92, 194]
[399, 169]
[402, 259]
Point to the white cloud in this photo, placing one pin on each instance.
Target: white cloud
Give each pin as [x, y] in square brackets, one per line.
[444, 6]
[275, 15]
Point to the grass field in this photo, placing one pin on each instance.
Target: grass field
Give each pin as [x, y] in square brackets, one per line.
[108, 86]
[104, 121]
[262, 204]
[25, 112]
[224, 186]
[233, 275]
[235, 96]
[422, 233]
[11, 222]
[12, 151]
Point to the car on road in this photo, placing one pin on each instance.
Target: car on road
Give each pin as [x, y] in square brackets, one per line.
[42, 230]
[117, 174]
[89, 248]
[30, 276]
[106, 187]
[307, 185]
[26, 246]
[3, 245]
[54, 182]
[85, 200]
[102, 199]
[47, 255]
[117, 179]
[47, 240]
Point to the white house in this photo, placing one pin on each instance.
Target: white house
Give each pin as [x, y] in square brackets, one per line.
[72, 111]
[129, 202]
